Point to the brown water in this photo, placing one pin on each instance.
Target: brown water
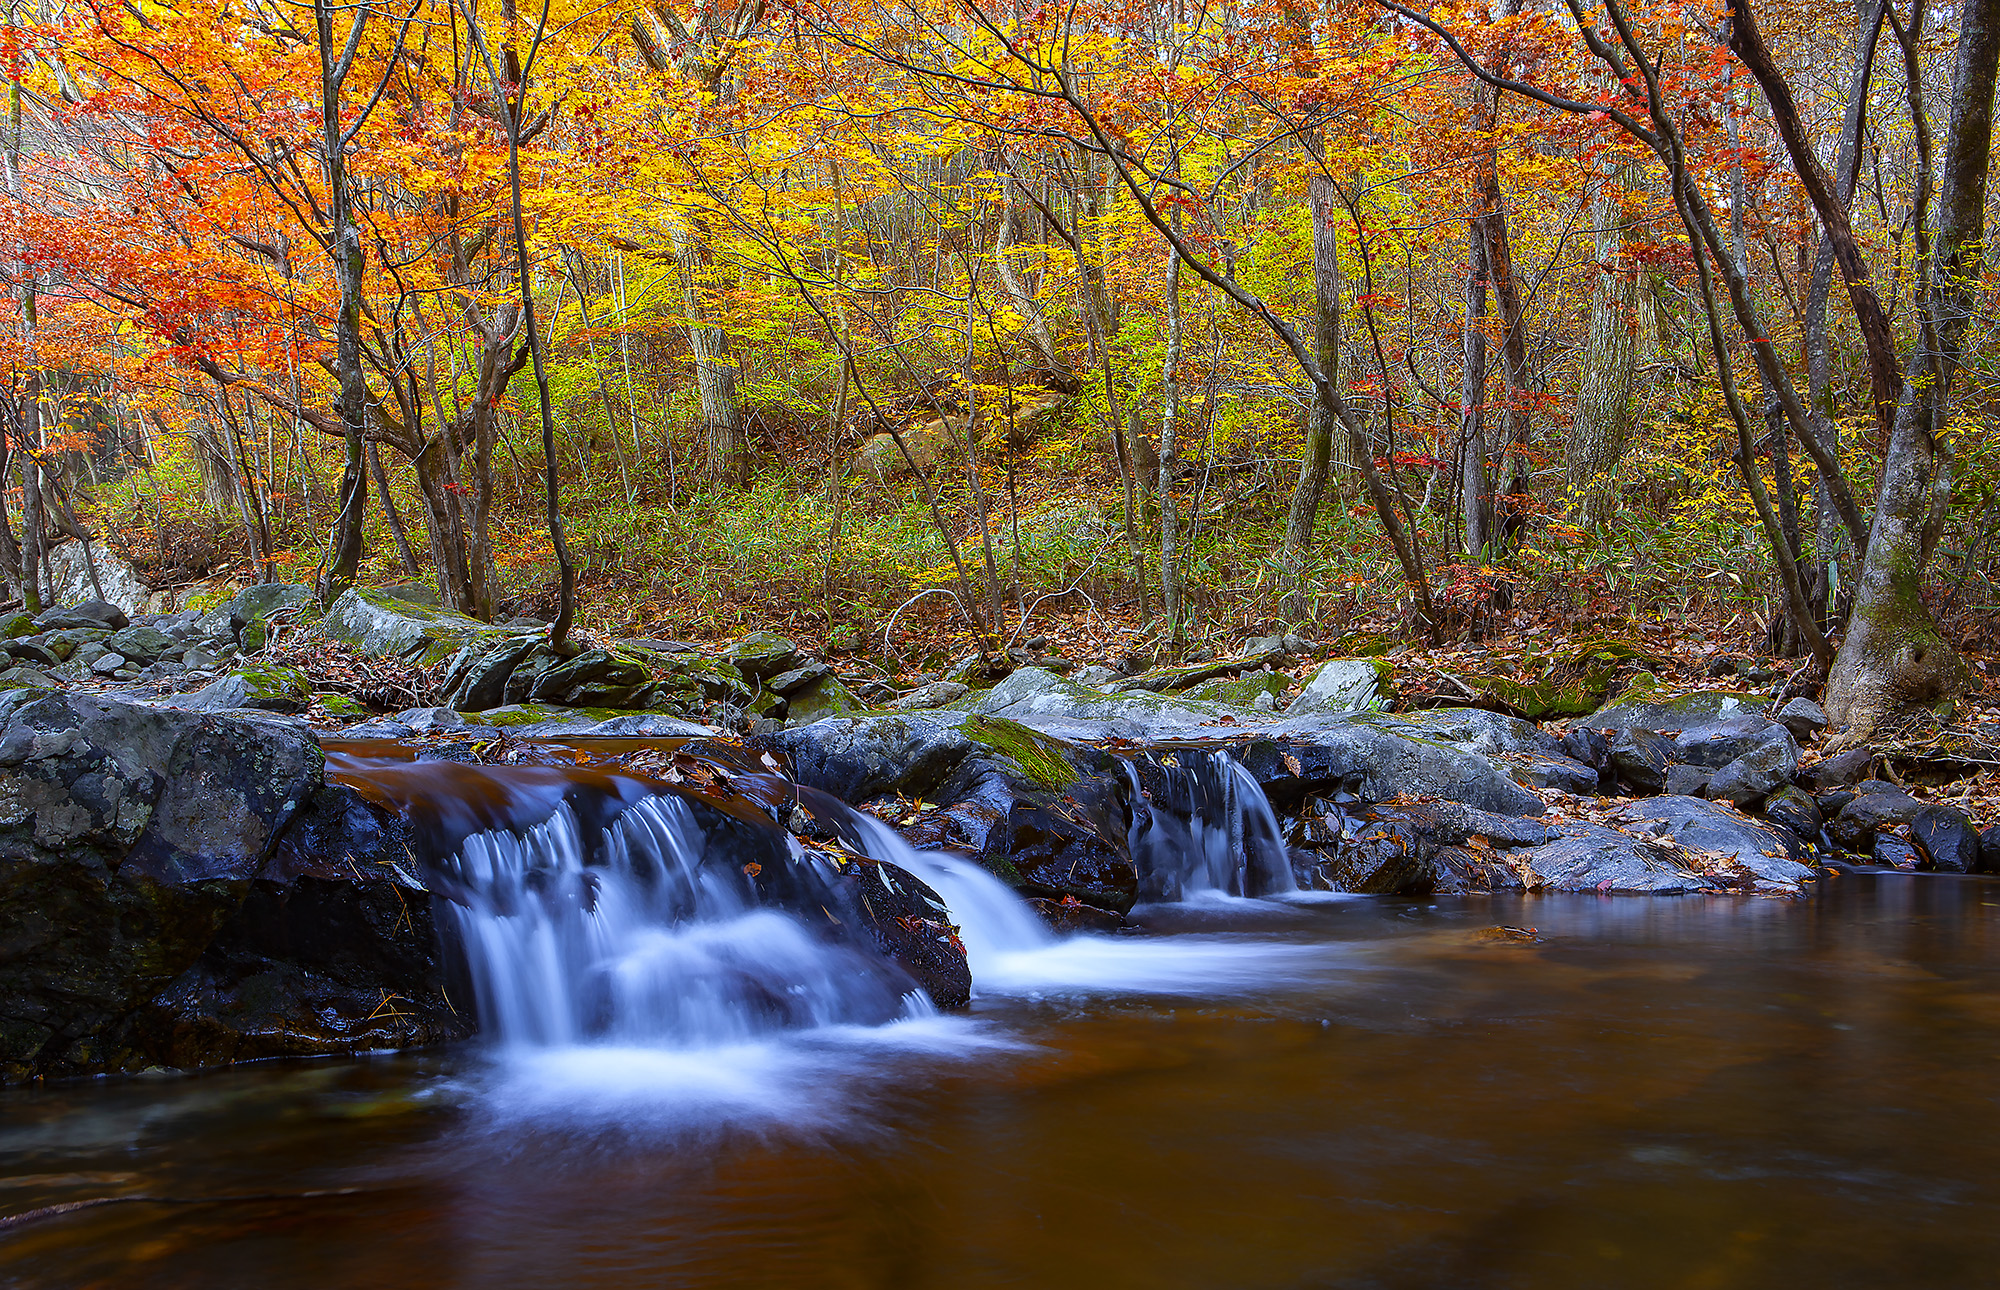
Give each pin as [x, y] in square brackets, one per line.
[1669, 1092]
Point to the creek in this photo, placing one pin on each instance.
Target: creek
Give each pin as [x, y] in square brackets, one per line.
[680, 1084]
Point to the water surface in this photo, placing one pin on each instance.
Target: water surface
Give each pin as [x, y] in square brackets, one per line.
[1665, 1092]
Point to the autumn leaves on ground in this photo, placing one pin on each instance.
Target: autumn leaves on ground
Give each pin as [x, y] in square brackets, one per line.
[922, 334]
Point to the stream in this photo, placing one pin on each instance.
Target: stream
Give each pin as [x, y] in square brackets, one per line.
[678, 1086]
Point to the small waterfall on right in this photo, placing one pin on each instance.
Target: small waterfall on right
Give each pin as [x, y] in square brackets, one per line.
[1201, 824]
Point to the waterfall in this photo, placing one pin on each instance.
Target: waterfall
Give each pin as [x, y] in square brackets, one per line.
[1201, 824]
[992, 918]
[636, 941]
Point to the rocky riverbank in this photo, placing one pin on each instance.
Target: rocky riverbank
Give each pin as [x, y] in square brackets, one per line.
[184, 884]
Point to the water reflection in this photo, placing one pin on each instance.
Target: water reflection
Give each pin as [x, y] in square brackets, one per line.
[1658, 1093]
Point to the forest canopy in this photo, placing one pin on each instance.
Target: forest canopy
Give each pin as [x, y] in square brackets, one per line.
[972, 322]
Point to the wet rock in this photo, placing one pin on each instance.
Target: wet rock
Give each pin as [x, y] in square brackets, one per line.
[1588, 746]
[1718, 743]
[1640, 757]
[1945, 839]
[1989, 850]
[1891, 852]
[1850, 767]
[1687, 781]
[1431, 848]
[91, 614]
[1036, 697]
[1732, 847]
[1752, 777]
[934, 695]
[1346, 685]
[1591, 857]
[1071, 916]
[1476, 730]
[378, 624]
[1874, 805]
[1795, 809]
[1803, 718]
[128, 836]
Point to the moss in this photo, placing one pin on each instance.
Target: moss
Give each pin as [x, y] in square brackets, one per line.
[15, 626]
[1363, 644]
[1241, 691]
[1039, 756]
[531, 714]
[341, 706]
[270, 681]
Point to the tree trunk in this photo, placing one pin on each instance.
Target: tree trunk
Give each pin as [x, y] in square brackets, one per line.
[1604, 388]
[1475, 486]
[1894, 658]
[1313, 466]
[344, 247]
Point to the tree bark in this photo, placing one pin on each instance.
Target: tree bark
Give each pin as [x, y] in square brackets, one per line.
[1894, 658]
[1603, 423]
[1315, 465]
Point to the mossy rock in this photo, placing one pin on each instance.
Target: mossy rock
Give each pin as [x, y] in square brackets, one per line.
[763, 654]
[1242, 691]
[28, 678]
[1040, 757]
[824, 698]
[341, 707]
[516, 715]
[15, 626]
[1363, 644]
[684, 683]
[378, 624]
[1536, 700]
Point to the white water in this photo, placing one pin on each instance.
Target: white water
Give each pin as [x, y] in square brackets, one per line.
[649, 947]
[1224, 840]
[632, 985]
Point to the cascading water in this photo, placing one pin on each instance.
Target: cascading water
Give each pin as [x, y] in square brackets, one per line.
[641, 943]
[1201, 824]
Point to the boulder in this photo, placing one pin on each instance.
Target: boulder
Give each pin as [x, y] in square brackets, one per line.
[595, 678]
[1161, 680]
[1892, 852]
[1588, 746]
[243, 619]
[89, 615]
[1723, 842]
[1376, 758]
[69, 573]
[934, 695]
[1794, 809]
[128, 836]
[1561, 774]
[1850, 767]
[1873, 805]
[1650, 709]
[144, 645]
[1591, 857]
[818, 700]
[478, 674]
[16, 625]
[266, 688]
[763, 654]
[1039, 698]
[1752, 777]
[1946, 840]
[1640, 757]
[1717, 743]
[1687, 781]
[379, 625]
[798, 678]
[1803, 718]
[1423, 849]
[1253, 691]
[1346, 685]
[1989, 850]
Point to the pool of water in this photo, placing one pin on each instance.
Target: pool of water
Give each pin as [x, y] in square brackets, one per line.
[1669, 1092]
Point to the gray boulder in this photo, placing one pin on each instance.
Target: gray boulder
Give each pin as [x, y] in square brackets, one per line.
[1803, 718]
[1753, 776]
[90, 614]
[935, 695]
[1874, 805]
[381, 626]
[1345, 685]
[267, 689]
[1793, 808]
[1640, 757]
[1658, 711]
[1739, 851]
[144, 645]
[1717, 743]
[69, 571]
[1591, 857]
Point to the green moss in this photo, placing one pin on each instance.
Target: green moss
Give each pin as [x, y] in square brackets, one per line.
[1039, 756]
[1241, 691]
[341, 706]
[15, 626]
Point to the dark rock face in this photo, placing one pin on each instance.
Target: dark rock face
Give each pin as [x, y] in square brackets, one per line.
[1874, 804]
[128, 837]
[1687, 781]
[1795, 809]
[1891, 852]
[1727, 739]
[1640, 757]
[89, 614]
[1420, 850]
[1850, 767]
[1945, 839]
[1590, 857]
[1742, 853]
[1750, 778]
